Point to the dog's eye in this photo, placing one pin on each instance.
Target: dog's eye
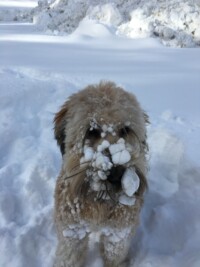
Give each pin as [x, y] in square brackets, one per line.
[123, 132]
[93, 134]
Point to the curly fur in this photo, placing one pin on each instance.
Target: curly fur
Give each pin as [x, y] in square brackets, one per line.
[79, 213]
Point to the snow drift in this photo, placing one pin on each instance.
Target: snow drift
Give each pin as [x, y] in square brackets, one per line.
[174, 22]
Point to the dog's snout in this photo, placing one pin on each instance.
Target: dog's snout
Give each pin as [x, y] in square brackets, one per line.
[116, 174]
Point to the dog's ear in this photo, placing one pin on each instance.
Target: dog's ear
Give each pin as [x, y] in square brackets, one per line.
[59, 127]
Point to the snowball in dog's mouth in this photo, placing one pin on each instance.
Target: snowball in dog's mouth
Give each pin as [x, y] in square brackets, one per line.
[107, 155]
[130, 185]
[107, 170]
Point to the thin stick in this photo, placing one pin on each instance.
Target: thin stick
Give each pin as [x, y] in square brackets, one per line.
[68, 177]
[107, 191]
[79, 165]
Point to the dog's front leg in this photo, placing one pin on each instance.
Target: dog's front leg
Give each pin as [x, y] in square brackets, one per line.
[71, 252]
[115, 252]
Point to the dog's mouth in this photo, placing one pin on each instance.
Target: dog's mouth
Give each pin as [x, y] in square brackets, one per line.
[115, 176]
[120, 184]
[108, 164]
[109, 173]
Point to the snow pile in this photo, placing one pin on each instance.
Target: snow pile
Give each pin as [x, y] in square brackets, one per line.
[16, 11]
[60, 16]
[170, 206]
[8, 15]
[174, 22]
[107, 14]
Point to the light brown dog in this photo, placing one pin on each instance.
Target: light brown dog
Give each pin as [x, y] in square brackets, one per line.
[101, 132]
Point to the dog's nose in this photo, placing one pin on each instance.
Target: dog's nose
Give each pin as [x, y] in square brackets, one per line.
[115, 175]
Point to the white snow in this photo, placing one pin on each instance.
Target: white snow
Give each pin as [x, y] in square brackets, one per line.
[76, 231]
[88, 154]
[130, 182]
[126, 200]
[105, 144]
[174, 22]
[120, 154]
[102, 163]
[102, 175]
[16, 10]
[38, 73]
[121, 157]
[108, 14]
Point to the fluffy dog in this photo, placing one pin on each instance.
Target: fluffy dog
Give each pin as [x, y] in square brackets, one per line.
[101, 132]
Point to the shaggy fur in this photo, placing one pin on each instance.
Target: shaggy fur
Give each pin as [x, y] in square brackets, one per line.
[83, 216]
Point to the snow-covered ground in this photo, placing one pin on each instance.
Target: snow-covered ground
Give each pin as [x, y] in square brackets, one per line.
[37, 73]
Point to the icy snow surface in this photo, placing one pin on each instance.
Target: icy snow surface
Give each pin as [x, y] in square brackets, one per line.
[37, 74]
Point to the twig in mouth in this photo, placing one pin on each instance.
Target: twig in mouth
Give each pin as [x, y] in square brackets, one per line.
[68, 177]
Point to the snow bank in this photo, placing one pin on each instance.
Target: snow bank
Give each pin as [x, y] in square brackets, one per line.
[171, 204]
[16, 10]
[174, 22]
[27, 172]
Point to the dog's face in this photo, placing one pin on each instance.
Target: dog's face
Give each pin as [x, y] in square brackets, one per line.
[102, 137]
[108, 152]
